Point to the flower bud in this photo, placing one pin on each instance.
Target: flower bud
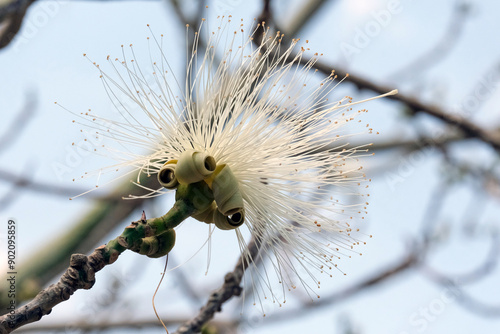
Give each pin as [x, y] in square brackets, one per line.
[166, 175]
[230, 222]
[194, 166]
[227, 192]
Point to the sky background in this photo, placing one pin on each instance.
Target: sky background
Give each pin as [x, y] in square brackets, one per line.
[46, 61]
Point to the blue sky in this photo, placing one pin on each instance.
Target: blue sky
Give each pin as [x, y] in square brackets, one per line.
[46, 58]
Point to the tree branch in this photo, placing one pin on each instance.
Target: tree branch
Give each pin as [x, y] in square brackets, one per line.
[468, 128]
[12, 15]
[409, 261]
[153, 237]
[79, 275]
[230, 288]
[81, 237]
[20, 122]
[439, 52]
[126, 324]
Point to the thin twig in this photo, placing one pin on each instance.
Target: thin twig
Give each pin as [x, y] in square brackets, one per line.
[485, 268]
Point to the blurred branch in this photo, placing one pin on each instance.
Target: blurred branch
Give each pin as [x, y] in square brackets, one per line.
[302, 16]
[482, 271]
[487, 178]
[184, 282]
[48, 188]
[230, 288]
[431, 215]
[466, 300]
[194, 23]
[151, 237]
[14, 131]
[11, 16]
[127, 324]
[470, 129]
[50, 260]
[13, 193]
[441, 49]
[266, 14]
[409, 261]
[408, 145]
[20, 122]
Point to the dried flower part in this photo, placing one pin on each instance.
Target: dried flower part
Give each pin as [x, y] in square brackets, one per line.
[255, 107]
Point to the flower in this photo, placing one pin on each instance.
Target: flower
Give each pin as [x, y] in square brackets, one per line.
[261, 111]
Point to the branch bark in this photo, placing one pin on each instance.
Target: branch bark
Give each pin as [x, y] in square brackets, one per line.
[81, 237]
[153, 237]
[230, 288]
[79, 275]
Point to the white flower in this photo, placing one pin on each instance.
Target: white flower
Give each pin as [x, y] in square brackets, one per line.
[272, 122]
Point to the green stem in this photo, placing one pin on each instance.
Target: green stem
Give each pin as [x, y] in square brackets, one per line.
[156, 237]
[152, 237]
[181, 210]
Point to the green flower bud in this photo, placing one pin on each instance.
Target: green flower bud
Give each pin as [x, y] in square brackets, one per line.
[166, 175]
[194, 166]
[230, 222]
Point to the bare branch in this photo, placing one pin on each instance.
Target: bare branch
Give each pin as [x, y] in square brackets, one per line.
[19, 123]
[485, 268]
[302, 16]
[81, 237]
[19, 181]
[442, 48]
[12, 16]
[230, 288]
[151, 237]
[408, 262]
[79, 275]
[85, 326]
[468, 128]
[471, 303]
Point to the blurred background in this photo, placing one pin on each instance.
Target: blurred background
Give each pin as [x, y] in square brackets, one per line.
[431, 266]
